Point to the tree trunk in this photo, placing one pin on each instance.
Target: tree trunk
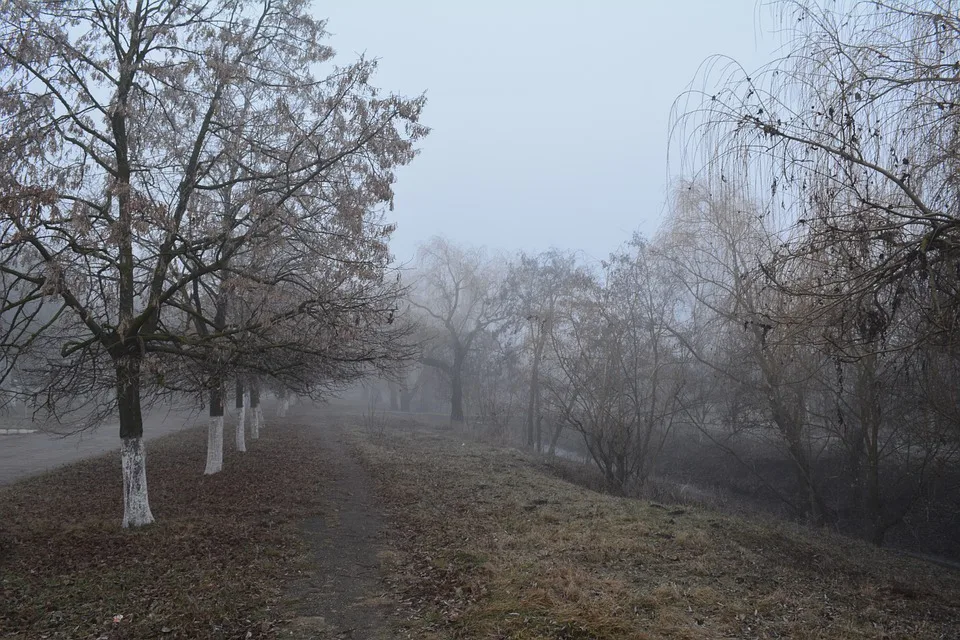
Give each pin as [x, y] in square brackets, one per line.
[214, 446]
[791, 428]
[215, 432]
[814, 511]
[870, 420]
[425, 403]
[241, 418]
[405, 397]
[456, 398]
[255, 412]
[136, 502]
[241, 429]
[555, 439]
[875, 530]
[393, 396]
[533, 401]
[133, 457]
[456, 386]
[539, 432]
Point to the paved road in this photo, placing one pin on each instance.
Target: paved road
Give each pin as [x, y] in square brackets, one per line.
[28, 454]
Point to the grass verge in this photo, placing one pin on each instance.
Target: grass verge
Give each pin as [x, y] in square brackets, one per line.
[212, 566]
[488, 543]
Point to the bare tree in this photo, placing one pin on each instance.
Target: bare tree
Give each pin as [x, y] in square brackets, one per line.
[461, 292]
[540, 283]
[742, 327]
[494, 380]
[848, 145]
[622, 373]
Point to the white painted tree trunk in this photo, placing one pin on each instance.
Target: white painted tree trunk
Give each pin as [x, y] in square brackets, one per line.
[136, 504]
[214, 446]
[284, 407]
[254, 423]
[241, 429]
[261, 422]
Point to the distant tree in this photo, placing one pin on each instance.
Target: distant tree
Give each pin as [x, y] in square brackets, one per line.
[411, 383]
[539, 284]
[494, 382]
[461, 293]
[621, 373]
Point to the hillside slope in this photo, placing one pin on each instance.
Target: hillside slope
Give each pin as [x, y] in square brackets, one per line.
[488, 543]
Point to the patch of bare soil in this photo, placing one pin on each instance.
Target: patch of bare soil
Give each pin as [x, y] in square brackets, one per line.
[339, 593]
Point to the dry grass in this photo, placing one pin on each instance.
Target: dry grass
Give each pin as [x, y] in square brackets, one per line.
[212, 566]
[487, 543]
[484, 543]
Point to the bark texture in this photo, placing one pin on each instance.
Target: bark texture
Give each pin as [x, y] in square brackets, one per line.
[136, 505]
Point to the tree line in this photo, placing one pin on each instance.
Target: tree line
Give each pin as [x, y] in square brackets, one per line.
[797, 310]
[191, 195]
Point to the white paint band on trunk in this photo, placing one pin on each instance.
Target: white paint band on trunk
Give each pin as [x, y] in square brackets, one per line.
[241, 429]
[214, 446]
[136, 503]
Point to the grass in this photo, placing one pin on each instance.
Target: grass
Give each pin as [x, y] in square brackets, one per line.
[482, 542]
[490, 543]
[213, 565]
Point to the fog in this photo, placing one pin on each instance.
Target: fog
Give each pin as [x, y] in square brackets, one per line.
[549, 120]
[712, 248]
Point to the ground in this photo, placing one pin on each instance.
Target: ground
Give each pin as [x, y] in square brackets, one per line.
[340, 595]
[338, 526]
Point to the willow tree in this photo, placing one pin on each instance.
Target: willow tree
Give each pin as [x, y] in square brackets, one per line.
[121, 121]
[461, 295]
[850, 143]
[758, 341]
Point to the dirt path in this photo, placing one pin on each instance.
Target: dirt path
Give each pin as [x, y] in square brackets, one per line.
[340, 597]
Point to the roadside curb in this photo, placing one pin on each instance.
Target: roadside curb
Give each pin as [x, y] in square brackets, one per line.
[14, 432]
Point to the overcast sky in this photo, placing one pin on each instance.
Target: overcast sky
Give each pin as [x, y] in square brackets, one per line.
[550, 118]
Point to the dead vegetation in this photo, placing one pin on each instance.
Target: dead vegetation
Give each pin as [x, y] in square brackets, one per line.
[374, 421]
[482, 542]
[489, 543]
[211, 567]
